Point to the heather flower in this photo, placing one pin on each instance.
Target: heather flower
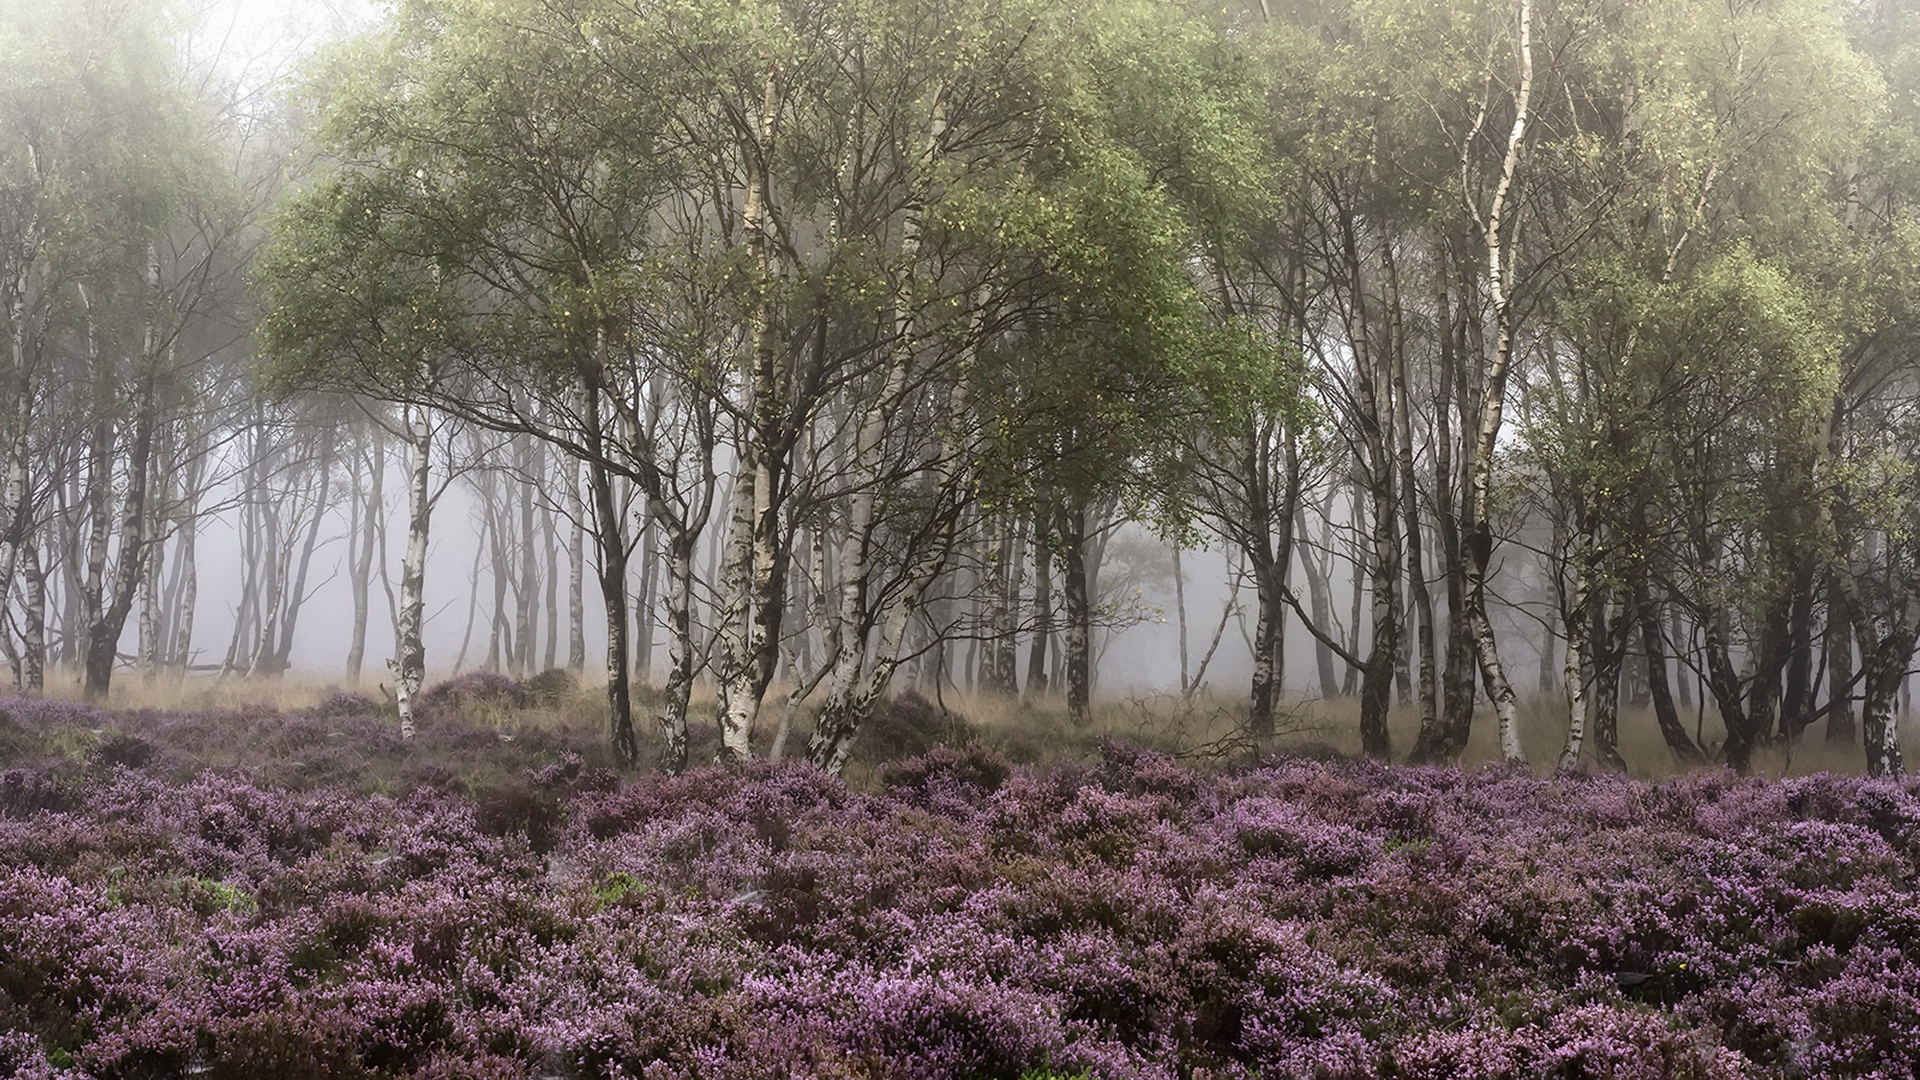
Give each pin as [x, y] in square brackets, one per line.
[1128, 917]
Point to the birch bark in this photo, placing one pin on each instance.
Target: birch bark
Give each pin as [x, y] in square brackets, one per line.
[103, 630]
[361, 572]
[1037, 681]
[1478, 530]
[858, 676]
[1422, 597]
[1887, 657]
[410, 653]
[33, 660]
[746, 575]
[1573, 615]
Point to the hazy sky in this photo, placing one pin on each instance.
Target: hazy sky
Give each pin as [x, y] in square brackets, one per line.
[260, 40]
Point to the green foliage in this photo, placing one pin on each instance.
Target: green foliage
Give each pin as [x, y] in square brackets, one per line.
[616, 888]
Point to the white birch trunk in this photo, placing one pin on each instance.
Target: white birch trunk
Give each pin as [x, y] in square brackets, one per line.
[526, 610]
[734, 613]
[746, 574]
[13, 499]
[369, 535]
[410, 660]
[1500, 260]
[1886, 657]
[1574, 675]
[150, 611]
[576, 593]
[680, 652]
[862, 669]
[180, 648]
[33, 660]
[13, 494]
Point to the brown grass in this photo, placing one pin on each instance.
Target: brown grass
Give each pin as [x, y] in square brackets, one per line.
[1205, 727]
[1214, 726]
[1543, 731]
[206, 693]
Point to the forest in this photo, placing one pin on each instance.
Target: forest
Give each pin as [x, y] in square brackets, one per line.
[630, 500]
[822, 348]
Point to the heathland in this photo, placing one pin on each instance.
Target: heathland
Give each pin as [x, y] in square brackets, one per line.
[246, 890]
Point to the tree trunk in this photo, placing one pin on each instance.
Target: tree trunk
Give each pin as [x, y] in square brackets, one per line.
[1682, 644]
[1072, 536]
[643, 600]
[274, 561]
[297, 594]
[862, 667]
[1180, 617]
[1005, 652]
[576, 572]
[150, 613]
[680, 652]
[180, 648]
[527, 588]
[1376, 687]
[549, 532]
[1796, 706]
[498, 569]
[1446, 738]
[103, 636]
[1609, 645]
[1043, 551]
[33, 659]
[1724, 683]
[371, 528]
[409, 664]
[1839, 659]
[1886, 664]
[749, 577]
[1765, 698]
[13, 494]
[611, 548]
[1422, 597]
[1360, 564]
[1374, 347]
[1478, 526]
[1573, 615]
[1320, 604]
[1270, 597]
[1653, 644]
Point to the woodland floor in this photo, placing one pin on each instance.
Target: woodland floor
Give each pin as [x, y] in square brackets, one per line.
[204, 887]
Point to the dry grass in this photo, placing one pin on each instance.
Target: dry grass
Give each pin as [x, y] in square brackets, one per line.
[207, 693]
[1214, 726]
[1205, 727]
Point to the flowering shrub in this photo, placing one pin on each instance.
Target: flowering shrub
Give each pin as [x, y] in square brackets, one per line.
[168, 913]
